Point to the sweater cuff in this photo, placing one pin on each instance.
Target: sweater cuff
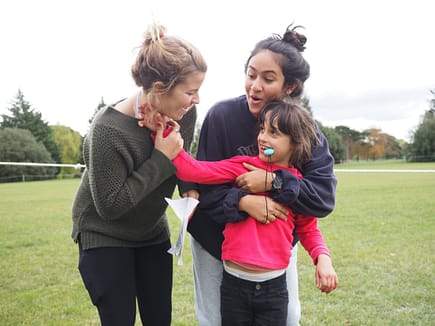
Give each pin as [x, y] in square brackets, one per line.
[318, 251]
[290, 188]
[231, 203]
[184, 187]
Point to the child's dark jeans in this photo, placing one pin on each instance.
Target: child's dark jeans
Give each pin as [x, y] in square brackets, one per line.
[253, 303]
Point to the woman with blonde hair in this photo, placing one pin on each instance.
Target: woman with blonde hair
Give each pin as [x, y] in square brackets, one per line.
[119, 219]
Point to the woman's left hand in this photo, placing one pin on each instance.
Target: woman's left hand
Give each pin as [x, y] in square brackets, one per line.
[256, 207]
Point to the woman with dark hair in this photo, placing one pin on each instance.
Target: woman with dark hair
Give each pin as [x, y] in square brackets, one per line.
[275, 70]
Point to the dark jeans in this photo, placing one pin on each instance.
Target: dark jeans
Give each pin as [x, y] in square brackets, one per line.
[115, 277]
[253, 303]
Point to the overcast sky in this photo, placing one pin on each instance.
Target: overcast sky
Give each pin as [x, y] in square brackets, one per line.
[372, 61]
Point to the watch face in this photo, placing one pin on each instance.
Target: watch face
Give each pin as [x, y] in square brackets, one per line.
[277, 183]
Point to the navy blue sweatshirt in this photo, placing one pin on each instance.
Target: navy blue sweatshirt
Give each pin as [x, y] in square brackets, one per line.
[229, 129]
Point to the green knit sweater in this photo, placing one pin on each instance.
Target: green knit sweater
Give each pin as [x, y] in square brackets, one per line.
[120, 200]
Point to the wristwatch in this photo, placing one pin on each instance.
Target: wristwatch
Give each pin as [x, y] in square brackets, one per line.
[277, 183]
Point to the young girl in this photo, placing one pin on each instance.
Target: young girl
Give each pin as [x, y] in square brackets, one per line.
[256, 254]
[118, 214]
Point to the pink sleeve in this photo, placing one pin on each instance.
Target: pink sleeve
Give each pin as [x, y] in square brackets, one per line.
[310, 236]
[206, 172]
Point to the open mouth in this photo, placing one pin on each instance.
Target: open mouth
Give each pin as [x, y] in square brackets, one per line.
[255, 99]
[187, 108]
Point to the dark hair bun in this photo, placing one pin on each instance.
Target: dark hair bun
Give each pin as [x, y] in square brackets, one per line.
[294, 38]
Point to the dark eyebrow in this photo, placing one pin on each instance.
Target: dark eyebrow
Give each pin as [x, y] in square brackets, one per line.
[273, 72]
[263, 72]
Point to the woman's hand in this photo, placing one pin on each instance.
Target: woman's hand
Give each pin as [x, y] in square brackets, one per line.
[254, 180]
[191, 193]
[170, 145]
[255, 206]
[326, 277]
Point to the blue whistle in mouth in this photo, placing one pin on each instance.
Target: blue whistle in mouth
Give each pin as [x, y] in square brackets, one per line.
[269, 151]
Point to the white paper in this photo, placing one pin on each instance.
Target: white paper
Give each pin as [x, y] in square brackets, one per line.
[183, 209]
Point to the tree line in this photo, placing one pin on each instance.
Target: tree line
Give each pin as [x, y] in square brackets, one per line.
[371, 144]
[26, 137]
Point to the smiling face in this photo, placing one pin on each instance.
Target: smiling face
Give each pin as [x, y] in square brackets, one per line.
[176, 103]
[269, 136]
[264, 81]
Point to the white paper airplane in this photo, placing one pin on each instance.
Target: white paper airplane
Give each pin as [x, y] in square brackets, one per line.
[183, 209]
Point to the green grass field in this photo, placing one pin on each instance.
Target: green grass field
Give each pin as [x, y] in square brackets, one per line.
[381, 236]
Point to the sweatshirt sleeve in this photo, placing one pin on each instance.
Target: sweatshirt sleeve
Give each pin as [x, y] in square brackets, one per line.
[187, 129]
[310, 236]
[314, 194]
[205, 172]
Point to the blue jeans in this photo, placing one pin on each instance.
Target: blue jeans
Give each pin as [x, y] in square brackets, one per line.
[253, 303]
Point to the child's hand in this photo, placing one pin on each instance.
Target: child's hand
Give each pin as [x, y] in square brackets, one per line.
[326, 277]
[171, 144]
[143, 111]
